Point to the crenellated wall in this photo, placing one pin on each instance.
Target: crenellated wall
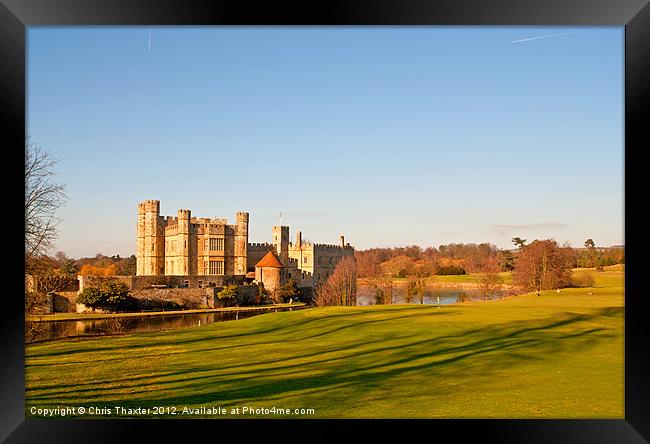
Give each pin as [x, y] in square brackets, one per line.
[177, 248]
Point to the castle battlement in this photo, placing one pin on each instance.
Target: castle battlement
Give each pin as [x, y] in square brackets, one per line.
[210, 246]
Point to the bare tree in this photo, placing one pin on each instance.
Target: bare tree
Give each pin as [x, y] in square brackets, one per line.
[43, 197]
[341, 286]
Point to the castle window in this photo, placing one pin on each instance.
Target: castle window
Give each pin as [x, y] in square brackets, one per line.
[216, 244]
[216, 267]
[185, 244]
[304, 260]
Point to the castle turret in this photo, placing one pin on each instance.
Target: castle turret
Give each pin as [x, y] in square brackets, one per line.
[298, 238]
[183, 238]
[150, 239]
[342, 241]
[241, 243]
[281, 242]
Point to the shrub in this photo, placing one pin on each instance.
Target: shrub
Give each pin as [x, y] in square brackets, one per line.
[262, 294]
[583, 280]
[416, 287]
[228, 292]
[380, 297]
[450, 270]
[463, 297]
[90, 296]
[109, 296]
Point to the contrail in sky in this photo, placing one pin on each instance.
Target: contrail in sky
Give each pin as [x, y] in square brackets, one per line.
[149, 43]
[544, 36]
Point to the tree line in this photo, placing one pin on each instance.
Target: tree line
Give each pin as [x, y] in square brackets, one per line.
[459, 258]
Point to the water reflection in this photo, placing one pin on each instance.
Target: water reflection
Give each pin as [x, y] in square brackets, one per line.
[108, 326]
[447, 295]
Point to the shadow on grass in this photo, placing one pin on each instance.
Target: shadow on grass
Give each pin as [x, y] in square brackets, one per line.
[175, 337]
[358, 367]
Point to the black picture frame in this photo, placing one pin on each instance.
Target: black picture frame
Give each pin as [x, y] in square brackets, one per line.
[16, 15]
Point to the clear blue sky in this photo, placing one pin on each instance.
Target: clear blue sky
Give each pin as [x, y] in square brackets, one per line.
[391, 136]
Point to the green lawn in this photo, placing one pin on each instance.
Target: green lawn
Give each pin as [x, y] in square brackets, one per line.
[559, 355]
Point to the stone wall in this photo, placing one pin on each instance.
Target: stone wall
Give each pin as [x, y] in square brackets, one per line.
[255, 253]
[152, 298]
[64, 301]
[145, 282]
[186, 297]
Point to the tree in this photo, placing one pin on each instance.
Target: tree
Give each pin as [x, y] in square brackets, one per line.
[341, 287]
[229, 292]
[416, 287]
[521, 243]
[43, 197]
[129, 268]
[70, 267]
[287, 291]
[383, 286]
[92, 270]
[589, 243]
[507, 260]
[490, 284]
[542, 265]
[262, 293]
[109, 295]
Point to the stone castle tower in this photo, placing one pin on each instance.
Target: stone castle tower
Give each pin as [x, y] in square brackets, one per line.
[151, 240]
[186, 246]
[210, 248]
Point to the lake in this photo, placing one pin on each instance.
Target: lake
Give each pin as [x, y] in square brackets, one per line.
[448, 295]
[107, 326]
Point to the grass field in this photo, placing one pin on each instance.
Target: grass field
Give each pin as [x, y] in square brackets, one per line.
[559, 355]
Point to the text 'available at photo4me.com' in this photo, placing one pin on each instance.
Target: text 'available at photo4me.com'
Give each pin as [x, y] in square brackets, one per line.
[119, 411]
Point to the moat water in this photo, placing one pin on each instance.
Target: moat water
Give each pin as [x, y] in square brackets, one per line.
[111, 326]
[447, 295]
[136, 324]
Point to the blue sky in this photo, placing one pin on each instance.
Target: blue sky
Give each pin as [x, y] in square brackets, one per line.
[389, 135]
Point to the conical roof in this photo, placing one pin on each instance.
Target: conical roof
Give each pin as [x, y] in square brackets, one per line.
[269, 260]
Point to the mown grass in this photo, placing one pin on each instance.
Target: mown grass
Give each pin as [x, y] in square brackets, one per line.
[559, 355]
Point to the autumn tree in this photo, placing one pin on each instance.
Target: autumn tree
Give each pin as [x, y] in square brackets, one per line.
[93, 270]
[542, 265]
[341, 287]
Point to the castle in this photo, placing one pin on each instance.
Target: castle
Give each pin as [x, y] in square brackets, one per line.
[212, 248]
